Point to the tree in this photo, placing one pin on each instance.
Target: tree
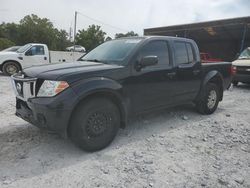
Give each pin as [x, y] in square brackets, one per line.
[62, 41]
[9, 31]
[91, 37]
[128, 34]
[5, 43]
[35, 29]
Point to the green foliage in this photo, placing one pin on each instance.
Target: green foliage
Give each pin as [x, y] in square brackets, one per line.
[128, 34]
[62, 41]
[10, 31]
[91, 37]
[37, 30]
[33, 29]
[5, 43]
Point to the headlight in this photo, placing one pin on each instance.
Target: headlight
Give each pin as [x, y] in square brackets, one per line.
[51, 88]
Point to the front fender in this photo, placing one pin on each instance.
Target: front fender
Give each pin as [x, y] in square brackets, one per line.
[85, 87]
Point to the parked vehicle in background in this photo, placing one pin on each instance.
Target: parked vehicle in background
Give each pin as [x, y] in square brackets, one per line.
[207, 58]
[241, 68]
[33, 54]
[91, 99]
[11, 49]
[76, 48]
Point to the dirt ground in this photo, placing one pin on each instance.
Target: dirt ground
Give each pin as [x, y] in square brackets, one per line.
[171, 148]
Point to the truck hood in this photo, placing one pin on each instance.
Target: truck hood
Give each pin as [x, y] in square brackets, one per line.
[241, 62]
[3, 54]
[60, 71]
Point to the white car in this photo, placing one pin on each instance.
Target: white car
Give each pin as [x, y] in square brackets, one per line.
[76, 48]
[241, 68]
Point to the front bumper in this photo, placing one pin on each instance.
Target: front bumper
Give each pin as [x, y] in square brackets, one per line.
[52, 113]
[245, 78]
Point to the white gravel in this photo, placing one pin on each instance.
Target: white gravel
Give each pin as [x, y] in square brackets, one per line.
[171, 148]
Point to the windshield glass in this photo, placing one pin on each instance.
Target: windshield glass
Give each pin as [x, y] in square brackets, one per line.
[114, 51]
[245, 54]
[23, 48]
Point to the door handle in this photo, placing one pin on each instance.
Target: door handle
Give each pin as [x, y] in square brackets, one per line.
[196, 72]
[171, 74]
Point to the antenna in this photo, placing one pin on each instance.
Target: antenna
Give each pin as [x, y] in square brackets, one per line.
[75, 29]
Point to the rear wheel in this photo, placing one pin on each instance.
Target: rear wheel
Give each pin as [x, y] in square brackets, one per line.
[94, 124]
[10, 68]
[209, 102]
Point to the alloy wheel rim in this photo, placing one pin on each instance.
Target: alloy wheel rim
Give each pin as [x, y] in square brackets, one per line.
[11, 69]
[212, 97]
[97, 124]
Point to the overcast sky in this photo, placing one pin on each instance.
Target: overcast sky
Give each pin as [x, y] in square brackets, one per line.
[126, 15]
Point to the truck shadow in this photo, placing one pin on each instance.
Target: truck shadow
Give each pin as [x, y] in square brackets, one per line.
[39, 152]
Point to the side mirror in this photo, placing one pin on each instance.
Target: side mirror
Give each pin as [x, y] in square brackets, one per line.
[146, 61]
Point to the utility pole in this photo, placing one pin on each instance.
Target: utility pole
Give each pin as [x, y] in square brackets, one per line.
[75, 30]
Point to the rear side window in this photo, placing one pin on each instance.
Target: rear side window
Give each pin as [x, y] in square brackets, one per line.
[181, 55]
[159, 49]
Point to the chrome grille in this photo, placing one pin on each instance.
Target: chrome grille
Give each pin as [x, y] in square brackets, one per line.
[24, 88]
[243, 70]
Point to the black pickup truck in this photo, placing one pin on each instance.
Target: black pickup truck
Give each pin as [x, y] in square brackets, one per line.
[89, 100]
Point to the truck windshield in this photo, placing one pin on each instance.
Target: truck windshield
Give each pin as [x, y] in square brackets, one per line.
[24, 48]
[245, 54]
[113, 52]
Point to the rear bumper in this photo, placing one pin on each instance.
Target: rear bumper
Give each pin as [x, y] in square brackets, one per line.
[52, 114]
[242, 78]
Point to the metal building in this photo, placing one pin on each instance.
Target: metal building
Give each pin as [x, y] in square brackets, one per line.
[221, 38]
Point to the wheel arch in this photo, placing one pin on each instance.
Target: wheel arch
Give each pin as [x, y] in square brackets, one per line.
[6, 61]
[110, 91]
[214, 77]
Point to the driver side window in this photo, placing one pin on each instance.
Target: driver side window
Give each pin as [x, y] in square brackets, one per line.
[35, 50]
[159, 49]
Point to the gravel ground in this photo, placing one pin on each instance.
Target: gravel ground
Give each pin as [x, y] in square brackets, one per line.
[171, 148]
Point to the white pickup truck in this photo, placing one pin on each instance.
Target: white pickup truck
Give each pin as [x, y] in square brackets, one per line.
[33, 54]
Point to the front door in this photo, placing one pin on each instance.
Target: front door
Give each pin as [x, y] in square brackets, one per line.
[152, 86]
[35, 56]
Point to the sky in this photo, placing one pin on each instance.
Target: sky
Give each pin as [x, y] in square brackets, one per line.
[119, 16]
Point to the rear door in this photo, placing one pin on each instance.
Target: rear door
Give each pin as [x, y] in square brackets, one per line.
[188, 71]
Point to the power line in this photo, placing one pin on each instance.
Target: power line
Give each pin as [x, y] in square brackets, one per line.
[102, 22]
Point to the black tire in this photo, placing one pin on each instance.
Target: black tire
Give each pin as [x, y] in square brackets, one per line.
[94, 124]
[10, 68]
[210, 100]
[235, 83]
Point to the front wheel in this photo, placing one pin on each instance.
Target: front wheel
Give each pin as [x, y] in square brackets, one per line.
[11, 68]
[94, 124]
[209, 102]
